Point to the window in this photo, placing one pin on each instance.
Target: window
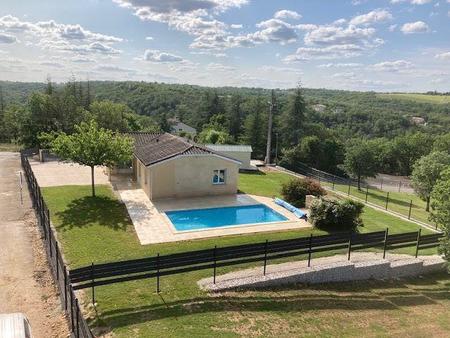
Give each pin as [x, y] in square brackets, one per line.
[219, 176]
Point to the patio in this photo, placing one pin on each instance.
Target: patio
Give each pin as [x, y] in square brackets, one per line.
[152, 225]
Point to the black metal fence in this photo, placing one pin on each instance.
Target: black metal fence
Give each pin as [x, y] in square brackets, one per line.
[402, 206]
[158, 266]
[78, 325]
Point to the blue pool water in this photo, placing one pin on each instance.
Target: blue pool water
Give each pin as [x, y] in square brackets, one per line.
[218, 217]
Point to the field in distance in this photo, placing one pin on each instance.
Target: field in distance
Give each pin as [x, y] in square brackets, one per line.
[437, 99]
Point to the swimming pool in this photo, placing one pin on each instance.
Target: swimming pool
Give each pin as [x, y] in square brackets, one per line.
[198, 219]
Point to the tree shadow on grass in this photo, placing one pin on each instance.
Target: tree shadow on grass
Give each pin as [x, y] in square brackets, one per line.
[89, 210]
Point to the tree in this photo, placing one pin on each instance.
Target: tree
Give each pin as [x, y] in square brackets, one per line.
[360, 161]
[235, 117]
[293, 118]
[441, 210]
[93, 146]
[254, 127]
[110, 115]
[426, 172]
[212, 136]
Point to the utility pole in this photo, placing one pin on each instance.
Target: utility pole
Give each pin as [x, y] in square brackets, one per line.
[269, 129]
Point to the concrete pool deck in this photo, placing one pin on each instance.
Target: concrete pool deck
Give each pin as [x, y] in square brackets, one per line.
[153, 226]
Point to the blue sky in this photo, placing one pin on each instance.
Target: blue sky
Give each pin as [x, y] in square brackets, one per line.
[382, 45]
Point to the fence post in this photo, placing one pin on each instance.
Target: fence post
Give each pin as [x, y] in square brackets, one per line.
[215, 262]
[350, 245]
[310, 250]
[399, 186]
[387, 200]
[92, 280]
[418, 241]
[57, 260]
[381, 188]
[349, 184]
[157, 273]
[410, 207]
[265, 256]
[65, 287]
[71, 308]
[367, 192]
[77, 314]
[386, 234]
[333, 182]
[49, 239]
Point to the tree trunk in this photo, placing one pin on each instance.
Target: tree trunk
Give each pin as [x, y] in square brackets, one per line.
[92, 179]
[428, 204]
[359, 182]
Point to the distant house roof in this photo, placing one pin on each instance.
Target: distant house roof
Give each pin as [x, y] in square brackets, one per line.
[177, 126]
[153, 148]
[230, 147]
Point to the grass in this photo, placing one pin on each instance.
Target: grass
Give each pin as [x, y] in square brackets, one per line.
[398, 201]
[9, 147]
[262, 184]
[99, 229]
[436, 99]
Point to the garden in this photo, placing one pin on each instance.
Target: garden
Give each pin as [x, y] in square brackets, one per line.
[98, 229]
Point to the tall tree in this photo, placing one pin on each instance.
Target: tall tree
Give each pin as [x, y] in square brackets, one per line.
[235, 117]
[49, 87]
[426, 172]
[93, 146]
[255, 127]
[293, 118]
[441, 210]
[272, 106]
[360, 161]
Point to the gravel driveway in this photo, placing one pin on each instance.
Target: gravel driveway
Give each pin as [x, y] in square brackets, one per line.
[25, 282]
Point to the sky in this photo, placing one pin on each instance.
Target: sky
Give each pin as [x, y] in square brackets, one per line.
[379, 45]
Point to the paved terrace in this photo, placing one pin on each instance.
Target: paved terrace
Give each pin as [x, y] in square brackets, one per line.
[153, 226]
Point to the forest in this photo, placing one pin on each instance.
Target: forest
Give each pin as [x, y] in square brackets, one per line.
[316, 127]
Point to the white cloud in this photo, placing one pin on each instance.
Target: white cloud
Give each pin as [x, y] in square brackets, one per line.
[236, 26]
[149, 38]
[443, 56]
[340, 65]
[274, 69]
[114, 69]
[324, 53]
[413, 2]
[393, 66]
[60, 37]
[7, 38]
[332, 35]
[415, 27]
[159, 56]
[287, 14]
[219, 67]
[376, 16]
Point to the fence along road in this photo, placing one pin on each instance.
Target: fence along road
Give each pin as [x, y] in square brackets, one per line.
[77, 324]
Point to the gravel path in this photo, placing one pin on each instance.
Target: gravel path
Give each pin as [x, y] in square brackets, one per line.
[25, 282]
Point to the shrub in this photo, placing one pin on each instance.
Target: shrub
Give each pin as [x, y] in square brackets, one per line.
[336, 215]
[296, 190]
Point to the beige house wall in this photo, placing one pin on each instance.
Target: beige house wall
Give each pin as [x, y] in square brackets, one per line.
[187, 176]
[241, 156]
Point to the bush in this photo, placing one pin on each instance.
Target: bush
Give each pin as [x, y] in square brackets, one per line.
[296, 190]
[336, 215]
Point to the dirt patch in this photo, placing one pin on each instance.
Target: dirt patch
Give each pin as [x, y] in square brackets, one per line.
[25, 282]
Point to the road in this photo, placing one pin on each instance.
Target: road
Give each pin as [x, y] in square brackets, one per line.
[25, 282]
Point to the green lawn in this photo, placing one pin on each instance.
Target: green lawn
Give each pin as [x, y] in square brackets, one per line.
[99, 230]
[398, 201]
[437, 99]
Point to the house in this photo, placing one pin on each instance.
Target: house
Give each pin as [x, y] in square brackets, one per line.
[320, 108]
[239, 152]
[178, 127]
[418, 121]
[166, 165]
